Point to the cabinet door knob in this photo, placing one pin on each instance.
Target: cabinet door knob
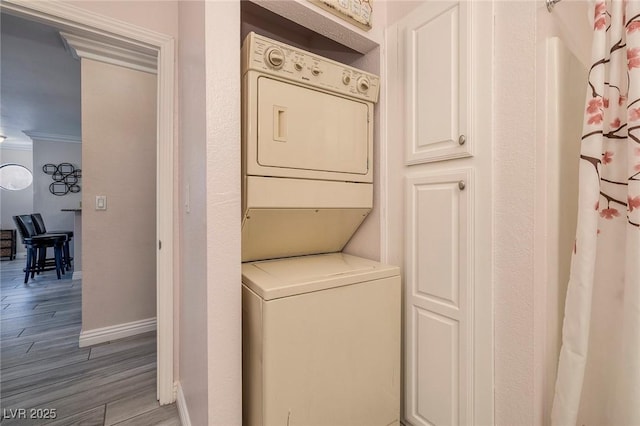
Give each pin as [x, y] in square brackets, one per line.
[462, 185]
[462, 140]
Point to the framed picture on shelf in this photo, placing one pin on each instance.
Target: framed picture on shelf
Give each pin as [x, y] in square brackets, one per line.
[357, 12]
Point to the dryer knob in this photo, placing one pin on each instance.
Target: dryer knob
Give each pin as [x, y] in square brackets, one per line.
[316, 71]
[363, 84]
[274, 57]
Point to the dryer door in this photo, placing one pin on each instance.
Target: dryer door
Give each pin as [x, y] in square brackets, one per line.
[311, 134]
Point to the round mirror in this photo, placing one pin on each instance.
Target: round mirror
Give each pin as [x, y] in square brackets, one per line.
[15, 177]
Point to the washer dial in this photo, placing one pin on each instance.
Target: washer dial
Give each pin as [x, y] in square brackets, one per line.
[274, 57]
[363, 84]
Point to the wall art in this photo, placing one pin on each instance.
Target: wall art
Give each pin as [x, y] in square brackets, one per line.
[65, 178]
[357, 12]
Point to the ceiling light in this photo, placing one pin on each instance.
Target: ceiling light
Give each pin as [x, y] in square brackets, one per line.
[15, 177]
[2, 138]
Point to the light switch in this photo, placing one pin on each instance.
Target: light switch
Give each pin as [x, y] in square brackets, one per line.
[101, 202]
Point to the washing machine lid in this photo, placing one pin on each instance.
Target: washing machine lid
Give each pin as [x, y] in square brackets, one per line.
[273, 279]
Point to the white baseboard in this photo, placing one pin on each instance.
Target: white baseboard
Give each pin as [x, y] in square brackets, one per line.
[182, 407]
[115, 332]
[77, 275]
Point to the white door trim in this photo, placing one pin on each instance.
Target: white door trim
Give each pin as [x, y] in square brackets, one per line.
[76, 20]
[115, 332]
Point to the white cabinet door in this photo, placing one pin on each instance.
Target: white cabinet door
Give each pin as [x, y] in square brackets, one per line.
[439, 213]
[434, 55]
[437, 283]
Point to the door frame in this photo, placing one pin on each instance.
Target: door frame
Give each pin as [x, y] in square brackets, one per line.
[118, 33]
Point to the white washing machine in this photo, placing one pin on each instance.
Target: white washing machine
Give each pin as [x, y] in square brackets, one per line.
[321, 329]
[321, 342]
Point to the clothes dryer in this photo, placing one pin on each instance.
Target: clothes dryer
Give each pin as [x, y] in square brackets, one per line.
[307, 158]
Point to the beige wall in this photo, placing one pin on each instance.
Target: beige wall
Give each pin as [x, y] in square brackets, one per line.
[210, 324]
[193, 240]
[397, 9]
[570, 22]
[222, 89]
[514, 189]
[119, 161]
[160, 16]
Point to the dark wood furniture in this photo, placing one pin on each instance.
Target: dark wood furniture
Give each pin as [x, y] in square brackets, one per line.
[41, 229]
[37, 245]
[8, 243]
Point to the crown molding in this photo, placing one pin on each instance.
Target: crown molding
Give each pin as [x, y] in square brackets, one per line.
[83, 47]
[51, 137]
[16, 146]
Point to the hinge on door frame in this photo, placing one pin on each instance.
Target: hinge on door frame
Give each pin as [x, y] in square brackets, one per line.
[159, 244]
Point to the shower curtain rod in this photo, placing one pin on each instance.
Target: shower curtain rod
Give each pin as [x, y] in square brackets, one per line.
[551, 3]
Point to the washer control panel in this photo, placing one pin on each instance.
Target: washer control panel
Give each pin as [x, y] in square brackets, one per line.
[272, 57]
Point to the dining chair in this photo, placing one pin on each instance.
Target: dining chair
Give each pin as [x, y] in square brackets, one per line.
[37, 245]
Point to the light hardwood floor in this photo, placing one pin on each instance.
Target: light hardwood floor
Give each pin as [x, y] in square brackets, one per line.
[41, 366]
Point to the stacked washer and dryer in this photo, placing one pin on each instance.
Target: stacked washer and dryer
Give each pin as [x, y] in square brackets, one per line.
[321, 328]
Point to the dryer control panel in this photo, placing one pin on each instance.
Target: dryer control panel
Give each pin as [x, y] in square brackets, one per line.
[272, 57]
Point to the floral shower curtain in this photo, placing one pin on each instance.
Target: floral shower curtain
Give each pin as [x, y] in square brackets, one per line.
[598, 380]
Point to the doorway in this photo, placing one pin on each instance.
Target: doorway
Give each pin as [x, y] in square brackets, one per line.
[114, 33]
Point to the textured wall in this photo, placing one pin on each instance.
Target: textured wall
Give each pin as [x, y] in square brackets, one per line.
[160, 16]
[398, 9]
[570, 22]
[119, 161]
[193, 241]
[222, 27]
[514, 166]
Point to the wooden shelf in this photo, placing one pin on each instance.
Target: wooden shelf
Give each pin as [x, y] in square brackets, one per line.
[318, 20]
